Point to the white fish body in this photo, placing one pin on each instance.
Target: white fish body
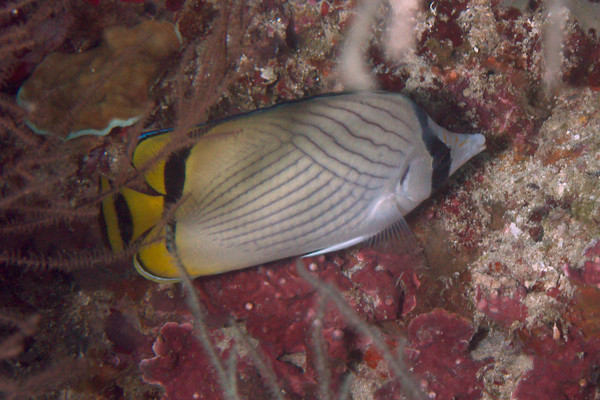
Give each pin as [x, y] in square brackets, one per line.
[305, 177]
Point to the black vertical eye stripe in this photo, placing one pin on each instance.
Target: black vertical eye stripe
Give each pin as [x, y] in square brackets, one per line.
[440, 153]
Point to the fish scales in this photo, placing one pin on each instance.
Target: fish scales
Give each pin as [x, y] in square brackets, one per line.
[293, 192]
[302, 177]
[329, 209]
[354, 176]
[256, 179]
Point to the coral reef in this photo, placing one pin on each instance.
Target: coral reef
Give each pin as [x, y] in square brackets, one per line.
[438, 349]
[181, 367]
[279, 310]
[563, 368]
[505, 306]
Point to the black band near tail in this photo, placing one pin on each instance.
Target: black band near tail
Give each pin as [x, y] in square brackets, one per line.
[175, 175]
[124, 219]
[439, 151]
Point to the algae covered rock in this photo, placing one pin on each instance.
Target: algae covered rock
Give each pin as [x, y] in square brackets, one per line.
[89, 93]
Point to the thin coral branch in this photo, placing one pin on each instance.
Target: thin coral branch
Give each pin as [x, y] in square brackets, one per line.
[345, 387]
[320, 351]
[11, 346]
[10, 8]
[400, 32]
[27, 325]
[202, 334]
[67, 262]
[354, 71]
[25, 36]
[9, 127]
[399, 369]
[553, 42]
[264, 367]
[232, 368]
[199, 313]
[33, 218]
[37, 187]
[223, 48]
[58, 211]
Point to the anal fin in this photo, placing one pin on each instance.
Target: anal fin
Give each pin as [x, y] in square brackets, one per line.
[395, 238]
[338, 246]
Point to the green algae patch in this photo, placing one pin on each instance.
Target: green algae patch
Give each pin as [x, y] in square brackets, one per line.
[89, 93]
[586, 205]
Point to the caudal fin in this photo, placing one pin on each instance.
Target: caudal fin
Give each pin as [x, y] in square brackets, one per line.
[129, 216]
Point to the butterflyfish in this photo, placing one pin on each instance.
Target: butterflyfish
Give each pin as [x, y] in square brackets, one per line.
[299, 178]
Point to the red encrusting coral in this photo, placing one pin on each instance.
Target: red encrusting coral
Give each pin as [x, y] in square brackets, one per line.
[182, 366]
[279, 310]
[566, 368]
[385, 273]
[445, 26]
[502, 308]
[586, 300]
[439, 352]
[589, 274]
[582, 50]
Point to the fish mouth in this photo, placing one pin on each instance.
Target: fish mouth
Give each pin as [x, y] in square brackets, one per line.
[466, 148]
[482, 146]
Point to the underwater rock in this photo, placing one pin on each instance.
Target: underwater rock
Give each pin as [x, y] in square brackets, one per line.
[439, 353]
[562, 369]
[278, 310]
[589, 274]
[502, 308]
[70, 95]
[181, 365]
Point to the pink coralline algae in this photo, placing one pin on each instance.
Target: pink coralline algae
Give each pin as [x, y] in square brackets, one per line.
[582, 50]
[561, 369]
[590, 273]
[182, 366]
[386, 273]
[438, 352]
[585, 313]
[279, 310]
[501, 308]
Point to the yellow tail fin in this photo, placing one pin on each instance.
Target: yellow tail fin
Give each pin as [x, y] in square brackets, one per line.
[130, 215]
[154, 261]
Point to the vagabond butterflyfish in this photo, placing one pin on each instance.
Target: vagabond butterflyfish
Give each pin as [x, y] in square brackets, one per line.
[299, 178]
